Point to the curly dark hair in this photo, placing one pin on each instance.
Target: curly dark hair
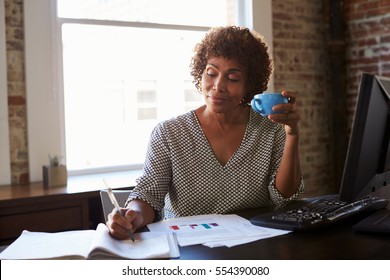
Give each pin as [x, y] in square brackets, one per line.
[238, 43]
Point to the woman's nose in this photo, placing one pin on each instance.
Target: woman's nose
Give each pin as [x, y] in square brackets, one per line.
[220, 84]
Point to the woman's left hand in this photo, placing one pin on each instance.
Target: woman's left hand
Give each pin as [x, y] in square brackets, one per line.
[288, 114]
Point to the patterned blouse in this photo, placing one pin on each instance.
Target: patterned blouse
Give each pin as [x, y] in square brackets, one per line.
[182, 176]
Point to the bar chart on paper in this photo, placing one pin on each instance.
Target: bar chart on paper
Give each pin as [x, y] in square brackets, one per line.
[194, 230]
[213, 230]
[192, 227]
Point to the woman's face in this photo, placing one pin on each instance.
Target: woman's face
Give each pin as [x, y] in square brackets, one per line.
[223, 84]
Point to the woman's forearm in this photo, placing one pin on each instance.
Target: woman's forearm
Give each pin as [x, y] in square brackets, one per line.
[289, 173]
[146, 211]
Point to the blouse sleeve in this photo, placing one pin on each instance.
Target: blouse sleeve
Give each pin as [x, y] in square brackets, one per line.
[152, 186]
[277, 197]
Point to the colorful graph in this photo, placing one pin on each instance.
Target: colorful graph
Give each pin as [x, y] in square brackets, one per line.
[187, 227]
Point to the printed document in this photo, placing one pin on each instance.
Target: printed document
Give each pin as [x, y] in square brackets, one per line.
[214, 230]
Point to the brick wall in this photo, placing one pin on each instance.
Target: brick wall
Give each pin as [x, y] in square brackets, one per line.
[16, 91]
[368, 43]
[301, 65]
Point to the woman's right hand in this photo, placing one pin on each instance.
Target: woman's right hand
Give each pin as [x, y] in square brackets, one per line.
[137, 215]
[119, 226]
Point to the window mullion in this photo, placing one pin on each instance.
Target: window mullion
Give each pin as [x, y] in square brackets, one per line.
[132, 24]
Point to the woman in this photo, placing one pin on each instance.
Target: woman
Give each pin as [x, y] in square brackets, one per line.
[221, 157]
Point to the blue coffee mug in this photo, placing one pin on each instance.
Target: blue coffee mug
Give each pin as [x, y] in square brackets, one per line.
[262, 103]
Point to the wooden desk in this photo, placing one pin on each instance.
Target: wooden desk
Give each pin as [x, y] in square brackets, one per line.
[76, 207]
[34, 208]
[337, 242]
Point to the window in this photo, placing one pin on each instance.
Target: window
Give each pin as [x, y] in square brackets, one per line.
[109, 73]
[121, 77]
[119, 82]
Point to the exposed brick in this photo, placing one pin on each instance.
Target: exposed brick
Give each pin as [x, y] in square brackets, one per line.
[14, 13]
[301, 65]
[367, 42]
[16, 91]
[368, 34]
[16, 100]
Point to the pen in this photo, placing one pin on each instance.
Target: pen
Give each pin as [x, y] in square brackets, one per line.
[116, 205]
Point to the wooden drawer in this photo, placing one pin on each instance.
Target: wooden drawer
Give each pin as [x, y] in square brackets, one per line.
[68, 214]
[36, 208]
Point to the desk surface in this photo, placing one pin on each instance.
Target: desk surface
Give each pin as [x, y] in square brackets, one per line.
[336, 242]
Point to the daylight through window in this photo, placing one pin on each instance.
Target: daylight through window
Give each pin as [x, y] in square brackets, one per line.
[126, 68]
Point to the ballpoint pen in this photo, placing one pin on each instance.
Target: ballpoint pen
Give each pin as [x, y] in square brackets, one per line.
[116, 205]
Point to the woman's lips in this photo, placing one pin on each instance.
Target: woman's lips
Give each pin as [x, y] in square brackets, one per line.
[217, 100]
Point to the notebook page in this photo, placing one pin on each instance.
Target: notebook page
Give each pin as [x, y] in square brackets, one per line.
[43, 245]
[147, 245]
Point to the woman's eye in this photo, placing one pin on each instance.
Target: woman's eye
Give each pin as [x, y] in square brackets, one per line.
[211, 74]
[233, 79]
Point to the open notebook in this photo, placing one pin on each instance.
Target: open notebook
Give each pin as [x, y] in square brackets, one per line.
[91, 244]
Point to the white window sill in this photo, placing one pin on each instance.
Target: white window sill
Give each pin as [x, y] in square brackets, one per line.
[123, 179]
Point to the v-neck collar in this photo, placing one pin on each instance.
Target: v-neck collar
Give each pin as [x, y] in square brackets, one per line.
[211, 151]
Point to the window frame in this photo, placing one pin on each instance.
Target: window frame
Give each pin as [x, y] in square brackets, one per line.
[44, 86]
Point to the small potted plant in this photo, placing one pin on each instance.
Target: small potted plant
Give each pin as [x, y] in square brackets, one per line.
[54, 174]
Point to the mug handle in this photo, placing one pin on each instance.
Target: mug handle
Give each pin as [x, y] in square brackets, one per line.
[256, 106]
